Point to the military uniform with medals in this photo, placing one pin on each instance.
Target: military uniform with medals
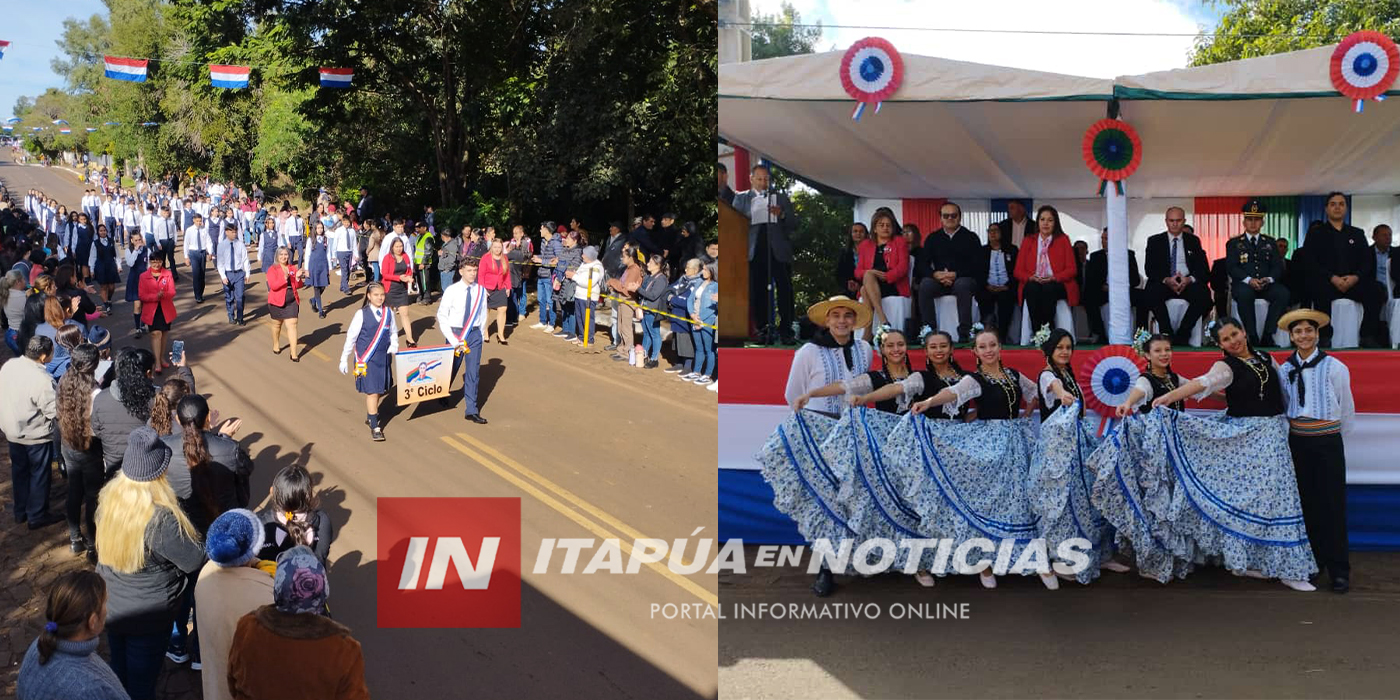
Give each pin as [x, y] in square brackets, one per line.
[1256, 258]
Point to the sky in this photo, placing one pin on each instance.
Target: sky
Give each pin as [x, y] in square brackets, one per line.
[1088, 56]
[33, 30]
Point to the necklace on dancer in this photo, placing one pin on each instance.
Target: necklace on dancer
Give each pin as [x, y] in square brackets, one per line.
[1008, 387]
[1255, 365]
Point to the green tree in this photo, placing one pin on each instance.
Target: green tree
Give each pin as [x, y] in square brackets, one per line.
[822, 233]
[780, 34]
[1251, 28]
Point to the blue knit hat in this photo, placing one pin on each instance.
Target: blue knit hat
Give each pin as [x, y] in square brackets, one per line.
[234, 538]
[146, 457]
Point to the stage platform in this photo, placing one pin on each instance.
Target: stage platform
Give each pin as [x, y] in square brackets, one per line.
[752, 404]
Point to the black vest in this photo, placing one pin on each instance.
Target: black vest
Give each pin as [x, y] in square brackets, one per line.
[1243, 394]
[999, 401]
[1160, 388]
[934, 384]
[878, 381]
[1048, 404]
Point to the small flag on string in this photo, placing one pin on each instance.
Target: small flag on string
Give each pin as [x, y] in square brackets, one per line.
[90, 129]
[13, 120]
[65, 130]
[7, 129]
[58, 122]
[111, 123]
[3, 45]
[150, 123]
[337, 77]
[228, 76]
[129, 69]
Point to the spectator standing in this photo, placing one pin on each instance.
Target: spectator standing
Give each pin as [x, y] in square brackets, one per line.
[588, 285]
[293, 516]
[229, 586]
[28, 418]
[495, 277]
[678, 304]
[550, 248]
[63, 663]
[704, 313]
[82, 452]
[519, 250]
[625, 287]
[570, 257]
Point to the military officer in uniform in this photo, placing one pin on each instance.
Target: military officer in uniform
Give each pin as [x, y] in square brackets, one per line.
[1256, 272]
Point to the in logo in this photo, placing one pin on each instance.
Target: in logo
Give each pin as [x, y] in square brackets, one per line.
[448, 562]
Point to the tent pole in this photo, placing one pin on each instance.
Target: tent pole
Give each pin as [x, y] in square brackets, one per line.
[1120, 328]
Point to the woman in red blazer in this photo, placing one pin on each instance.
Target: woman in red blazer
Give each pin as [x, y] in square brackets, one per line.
[397, 270]
[882, 265]
[283, 301]
[1041, 288]
[156, 289]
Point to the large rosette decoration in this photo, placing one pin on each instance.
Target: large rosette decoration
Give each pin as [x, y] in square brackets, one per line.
[1113, 151]
[1107, 378]
[1364, 66]
[871, 71]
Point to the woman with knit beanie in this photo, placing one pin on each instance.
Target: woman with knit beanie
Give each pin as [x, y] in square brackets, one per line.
[230, 586]
[62, 663]
[288, 649]
[145, 548]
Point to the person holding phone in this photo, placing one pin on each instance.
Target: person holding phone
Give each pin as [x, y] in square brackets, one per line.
[283, 301]
[157, 292]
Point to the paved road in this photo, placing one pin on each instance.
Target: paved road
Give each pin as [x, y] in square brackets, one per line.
[592, 449]
[1213, 635]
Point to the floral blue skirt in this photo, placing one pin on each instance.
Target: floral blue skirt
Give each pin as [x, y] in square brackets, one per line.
[1218, 490]
[806, 486]
[1061, 482]
[972, 481]
[1135, 498]
[873, 497]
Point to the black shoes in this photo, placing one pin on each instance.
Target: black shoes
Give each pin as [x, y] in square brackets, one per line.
[44, 521]
[77, 543]
[825, 584]
[610, 348]
[652, 364]
[1340, 584]
[476, 418]
[377, 434]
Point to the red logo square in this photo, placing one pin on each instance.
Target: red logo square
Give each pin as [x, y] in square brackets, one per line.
[448, 562]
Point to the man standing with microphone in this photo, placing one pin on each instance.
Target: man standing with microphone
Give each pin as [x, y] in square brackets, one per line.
[772, 223]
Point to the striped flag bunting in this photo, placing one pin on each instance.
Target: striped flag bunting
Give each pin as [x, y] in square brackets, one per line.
[129, 69]
[7, 129]
[13, 120]
[90, 129]
[150, 123]
[111, 123]
[58, 122]
[231, 77]
[3, 45]
[337, 77]
[65, 130]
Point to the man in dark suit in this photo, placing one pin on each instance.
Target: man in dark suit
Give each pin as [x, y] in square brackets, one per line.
[997, 297]
[726, 193]
[1016, 227]
[950, 262]
[1387, 272]
[1342, 266]
[1177, 269]
[772, 224]
[1094, 292]
[1219, 281]
[1256, 269]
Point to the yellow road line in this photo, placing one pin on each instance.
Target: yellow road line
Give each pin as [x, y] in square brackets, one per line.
[693, 588]
[320, 355]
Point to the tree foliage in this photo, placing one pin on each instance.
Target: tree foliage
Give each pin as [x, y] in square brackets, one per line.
[1251, 28]
[778, 34]
[552, 108]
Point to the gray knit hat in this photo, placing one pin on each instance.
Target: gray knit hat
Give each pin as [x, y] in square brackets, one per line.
[146, 457]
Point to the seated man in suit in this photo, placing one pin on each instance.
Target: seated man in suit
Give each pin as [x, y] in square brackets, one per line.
[950, 262]
[1177, 269]
[1386, 270]
[1095, 293]
[1018, 226]
[997, 298]
[1342, 266]
[1256, 269]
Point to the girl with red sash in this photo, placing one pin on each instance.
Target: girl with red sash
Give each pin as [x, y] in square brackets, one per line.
[371, 340]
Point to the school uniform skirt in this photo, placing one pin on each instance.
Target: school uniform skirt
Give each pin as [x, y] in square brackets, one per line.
[377, 375]
[106, 272]
[133, 281]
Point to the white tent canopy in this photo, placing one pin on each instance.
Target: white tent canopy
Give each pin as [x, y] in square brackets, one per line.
[1264, 126]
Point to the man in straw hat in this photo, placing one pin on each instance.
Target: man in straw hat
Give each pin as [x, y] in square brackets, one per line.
[1317, 389]
[833, 355]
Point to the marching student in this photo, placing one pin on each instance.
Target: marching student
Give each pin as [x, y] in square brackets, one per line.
[373, 338]
[283, 301]
[197, 244]
[318, 266]
[1317, 389]
[231, 262]
[83, 234]
[461, 318]
[135, 256]
[343, 245]
[105, 266]
[164, 232]
[294, 232]
[269, 241]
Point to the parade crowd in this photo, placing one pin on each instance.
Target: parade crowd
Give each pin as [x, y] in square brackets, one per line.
[158, 486]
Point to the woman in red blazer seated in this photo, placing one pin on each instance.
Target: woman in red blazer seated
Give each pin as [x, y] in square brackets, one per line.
[283, 301]
[1046, 270]
[882, 265]
[156, 289]
[397, 270]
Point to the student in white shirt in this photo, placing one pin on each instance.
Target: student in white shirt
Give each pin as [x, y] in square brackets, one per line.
[197, 245]
[345, 250]
[461, 318]
[295, 233]
[231, 262]
[165, 229]
[373, 339]
[1317, 389]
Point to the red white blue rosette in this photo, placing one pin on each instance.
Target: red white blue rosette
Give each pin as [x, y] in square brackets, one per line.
[871, 72]
[1108, 377]
[1364, 66]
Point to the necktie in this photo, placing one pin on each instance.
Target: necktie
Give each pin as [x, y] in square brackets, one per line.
[1174, 269]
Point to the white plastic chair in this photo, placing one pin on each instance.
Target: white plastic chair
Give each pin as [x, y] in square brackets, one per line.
[1261, 313]
[1176, 309]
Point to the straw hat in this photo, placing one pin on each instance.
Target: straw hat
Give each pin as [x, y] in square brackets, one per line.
[818, 311]
[1297, 315]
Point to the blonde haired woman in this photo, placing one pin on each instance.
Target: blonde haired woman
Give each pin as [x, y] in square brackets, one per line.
[146, 547]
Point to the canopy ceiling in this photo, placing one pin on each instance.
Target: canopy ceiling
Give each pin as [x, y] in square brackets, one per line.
[1263, 126]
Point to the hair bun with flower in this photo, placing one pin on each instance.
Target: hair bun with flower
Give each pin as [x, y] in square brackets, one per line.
[1140, 339]
[977, 327]
[880, 333]
[1041, 335]
[924, 333]
[1210, 331]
